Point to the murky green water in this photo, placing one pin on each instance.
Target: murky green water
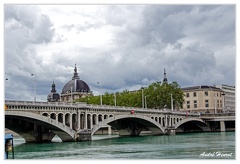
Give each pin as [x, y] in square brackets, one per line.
[218, 145]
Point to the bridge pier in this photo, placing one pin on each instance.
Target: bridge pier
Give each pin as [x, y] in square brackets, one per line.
[170, 131]
[85, 120]
[79, 120]
[127, 127]
[41, 134]
[109, 130]
[222, 126]
[85, 135]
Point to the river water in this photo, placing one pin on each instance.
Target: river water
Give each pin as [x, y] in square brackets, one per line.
[214, 145]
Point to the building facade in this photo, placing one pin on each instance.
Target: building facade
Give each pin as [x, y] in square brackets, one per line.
[229, 97]
[204, 99]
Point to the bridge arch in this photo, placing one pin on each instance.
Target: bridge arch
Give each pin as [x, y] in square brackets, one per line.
[196, 121]
[100, 118]
[46, 114]
[151, 124]
[61, 116]
[53, 115]
[74, 121]
[94, 119]
[68, 119]
[64, 132]
[105, 116]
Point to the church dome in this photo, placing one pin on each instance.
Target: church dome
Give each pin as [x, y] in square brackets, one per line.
[75, 85]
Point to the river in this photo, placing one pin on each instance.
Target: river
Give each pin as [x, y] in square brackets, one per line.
[213, 145]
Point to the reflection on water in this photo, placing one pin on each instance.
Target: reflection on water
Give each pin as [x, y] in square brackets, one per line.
[182, 146]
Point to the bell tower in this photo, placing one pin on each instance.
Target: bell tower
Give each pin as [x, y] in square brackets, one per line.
[165, 77]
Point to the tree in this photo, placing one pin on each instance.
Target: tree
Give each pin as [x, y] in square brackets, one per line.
[158, 96]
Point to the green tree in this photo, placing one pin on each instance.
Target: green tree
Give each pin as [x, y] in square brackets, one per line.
[158, 96]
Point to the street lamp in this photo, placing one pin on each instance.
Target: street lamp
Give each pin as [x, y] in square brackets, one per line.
[34, 86]
[115, 99]
[100, 93]
[171, 102]
[145, 102]
[142, 98]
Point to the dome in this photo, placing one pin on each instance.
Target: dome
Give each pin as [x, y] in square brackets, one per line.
[77, 86]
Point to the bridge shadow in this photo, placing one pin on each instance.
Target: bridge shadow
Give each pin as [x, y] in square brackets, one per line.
[36, 128]
[131, 125]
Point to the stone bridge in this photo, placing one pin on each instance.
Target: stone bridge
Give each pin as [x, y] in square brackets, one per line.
[41, 121]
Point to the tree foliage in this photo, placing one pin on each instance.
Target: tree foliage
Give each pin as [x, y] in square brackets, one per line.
[158, 95]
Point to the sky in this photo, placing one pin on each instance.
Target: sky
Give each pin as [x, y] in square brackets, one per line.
[120, 46]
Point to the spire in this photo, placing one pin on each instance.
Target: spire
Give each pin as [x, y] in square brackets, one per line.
[53, 88]
[53, 96]
[75, 69]
[75, 74]
[165, 77]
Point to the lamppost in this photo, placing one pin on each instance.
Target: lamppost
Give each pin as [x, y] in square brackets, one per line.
[34, 86]
[145, 102]
[115, 99]
[100, 93]
[142, 98]
[171, 102]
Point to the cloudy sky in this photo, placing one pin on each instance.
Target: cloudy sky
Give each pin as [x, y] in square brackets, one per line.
[120, 46]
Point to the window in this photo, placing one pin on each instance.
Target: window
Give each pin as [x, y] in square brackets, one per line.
[187, 94]
[194, 94]
[206, 104]
[195, 103]
[188, 104]
[206, 93]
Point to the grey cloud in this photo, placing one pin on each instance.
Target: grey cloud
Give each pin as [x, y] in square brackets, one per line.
[27, 22]
[25, 27]
[43, 31]
[81, 27]
[22, 14]
[190, 41]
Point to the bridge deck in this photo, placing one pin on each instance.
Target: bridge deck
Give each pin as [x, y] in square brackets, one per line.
[218, 117]
[41, 120]
[50, 106]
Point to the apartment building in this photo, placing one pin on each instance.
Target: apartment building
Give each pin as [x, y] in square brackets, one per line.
[229, 98]
[203, 99]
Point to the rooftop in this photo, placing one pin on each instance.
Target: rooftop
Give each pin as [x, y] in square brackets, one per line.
[201, 87]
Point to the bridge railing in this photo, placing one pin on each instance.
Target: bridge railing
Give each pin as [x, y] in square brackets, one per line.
[99, 107]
